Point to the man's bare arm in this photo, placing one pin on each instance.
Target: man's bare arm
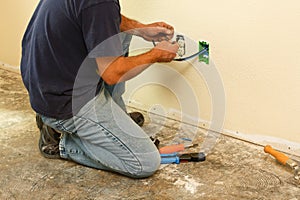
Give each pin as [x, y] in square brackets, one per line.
[157, 31]
[114, 70]
[119, 69]
[128, 25]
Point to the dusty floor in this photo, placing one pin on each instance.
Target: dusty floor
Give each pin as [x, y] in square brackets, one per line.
[235, 170]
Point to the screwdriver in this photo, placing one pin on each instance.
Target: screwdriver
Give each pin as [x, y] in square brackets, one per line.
[285, 160]
[175, 148]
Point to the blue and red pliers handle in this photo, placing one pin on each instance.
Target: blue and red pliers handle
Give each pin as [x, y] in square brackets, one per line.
[169, 158]
[177, 158]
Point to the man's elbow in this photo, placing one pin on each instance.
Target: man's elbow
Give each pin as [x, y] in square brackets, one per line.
[110, 79]
[109, 70]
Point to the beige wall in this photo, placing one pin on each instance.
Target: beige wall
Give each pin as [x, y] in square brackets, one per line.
[256, 48]
[14, 17]
[254, 44]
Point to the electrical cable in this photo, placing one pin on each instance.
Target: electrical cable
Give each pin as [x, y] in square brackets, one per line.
[203, 51]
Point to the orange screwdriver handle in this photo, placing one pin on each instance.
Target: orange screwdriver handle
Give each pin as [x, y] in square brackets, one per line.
[171, 149]
[280, 157]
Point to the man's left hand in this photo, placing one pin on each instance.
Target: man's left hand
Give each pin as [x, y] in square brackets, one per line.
[157, 32]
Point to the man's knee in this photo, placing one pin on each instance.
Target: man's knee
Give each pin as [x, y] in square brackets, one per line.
[148, 165]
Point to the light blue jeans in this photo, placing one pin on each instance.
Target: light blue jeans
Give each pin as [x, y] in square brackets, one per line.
[103, 136]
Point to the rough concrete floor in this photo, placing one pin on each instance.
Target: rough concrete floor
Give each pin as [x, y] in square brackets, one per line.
[235, 170]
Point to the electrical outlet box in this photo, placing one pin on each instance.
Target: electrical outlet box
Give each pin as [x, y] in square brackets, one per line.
[181, 42]
[204, 57]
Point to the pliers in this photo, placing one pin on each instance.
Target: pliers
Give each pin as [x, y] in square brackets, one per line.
[178, 158]
[170, 154]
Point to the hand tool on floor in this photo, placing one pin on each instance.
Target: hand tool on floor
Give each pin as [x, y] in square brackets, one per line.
[178, 158]
[171, 154]
[285, 160]
[175, 148]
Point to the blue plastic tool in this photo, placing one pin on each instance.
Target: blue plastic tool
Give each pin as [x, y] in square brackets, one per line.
[170, 158]
[177, 158]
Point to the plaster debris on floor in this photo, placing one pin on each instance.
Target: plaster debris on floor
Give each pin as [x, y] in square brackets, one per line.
[233, 170]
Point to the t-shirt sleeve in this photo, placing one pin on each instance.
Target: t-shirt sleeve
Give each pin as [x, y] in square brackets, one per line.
[101, 27]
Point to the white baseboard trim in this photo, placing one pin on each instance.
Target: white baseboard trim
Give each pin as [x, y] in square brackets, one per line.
[9, 67]
[290, 148]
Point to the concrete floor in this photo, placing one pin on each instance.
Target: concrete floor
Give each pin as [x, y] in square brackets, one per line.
[234, 170]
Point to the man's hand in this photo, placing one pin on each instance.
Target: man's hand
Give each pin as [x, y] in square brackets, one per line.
[164, 51]
[157, 32]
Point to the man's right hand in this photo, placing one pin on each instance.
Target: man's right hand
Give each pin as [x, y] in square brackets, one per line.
[120, 69]
[165, 51]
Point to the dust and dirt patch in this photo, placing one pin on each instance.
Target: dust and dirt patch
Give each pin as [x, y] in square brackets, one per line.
[190, 184]
[10, 118]
[183, 181]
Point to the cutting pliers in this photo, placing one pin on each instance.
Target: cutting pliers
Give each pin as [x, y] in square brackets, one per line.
[170, 154]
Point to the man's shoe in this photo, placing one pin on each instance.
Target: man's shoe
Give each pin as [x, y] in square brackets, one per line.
[49, 140]
[138, 118]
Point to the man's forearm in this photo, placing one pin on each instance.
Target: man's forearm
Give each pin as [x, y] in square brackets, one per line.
[114, 70]
[124, 68]
[131, 26]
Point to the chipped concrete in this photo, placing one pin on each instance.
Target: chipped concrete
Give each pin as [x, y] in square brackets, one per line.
[234, 169]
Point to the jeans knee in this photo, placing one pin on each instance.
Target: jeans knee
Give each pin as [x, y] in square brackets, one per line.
[148, 165]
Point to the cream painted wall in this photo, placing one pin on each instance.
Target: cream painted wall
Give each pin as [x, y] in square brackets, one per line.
[256, 48]
[14, 17]
[254, 44]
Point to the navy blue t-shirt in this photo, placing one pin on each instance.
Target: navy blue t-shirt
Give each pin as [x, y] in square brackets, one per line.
[58, 39]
